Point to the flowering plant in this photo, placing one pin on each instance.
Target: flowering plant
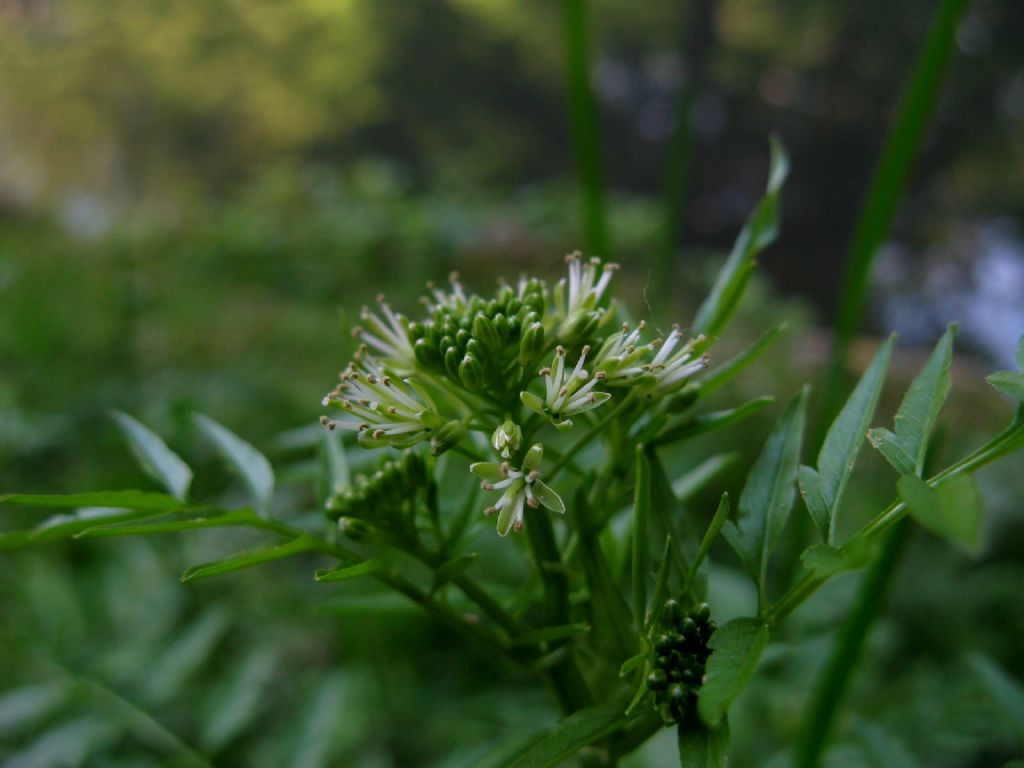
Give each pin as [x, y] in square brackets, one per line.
[561, 406]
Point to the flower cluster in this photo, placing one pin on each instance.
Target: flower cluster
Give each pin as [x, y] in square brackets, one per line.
[385, 499]
[471, 359]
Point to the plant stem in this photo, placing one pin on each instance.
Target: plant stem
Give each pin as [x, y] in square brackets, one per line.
[583, 116]
[590, 435]
[835, 677]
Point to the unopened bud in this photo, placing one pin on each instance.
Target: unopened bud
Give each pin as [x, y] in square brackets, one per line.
[486, 334]
[471, 373]
[447, 437]
[507, 438]
[531, 344]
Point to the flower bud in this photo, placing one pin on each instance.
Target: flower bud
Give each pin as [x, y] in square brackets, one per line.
[486, 333]
[353, 529]
[531, 345]
[451, 362]
[578, 327]
[501, 324]
[427, 355]
[471, 373]
[507, 438]
[447, 437]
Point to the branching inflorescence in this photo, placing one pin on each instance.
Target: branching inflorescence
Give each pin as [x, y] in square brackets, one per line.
[480, 358]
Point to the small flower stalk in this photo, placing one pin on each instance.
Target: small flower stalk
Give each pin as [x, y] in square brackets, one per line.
[520, 488]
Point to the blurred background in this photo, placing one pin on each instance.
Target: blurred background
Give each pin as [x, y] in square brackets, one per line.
[196, 198]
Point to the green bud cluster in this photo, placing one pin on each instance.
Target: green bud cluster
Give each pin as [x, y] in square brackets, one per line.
[385, 500]
[479, 342]
[680, 655]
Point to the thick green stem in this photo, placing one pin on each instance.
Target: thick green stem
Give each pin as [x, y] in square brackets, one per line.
[846, 650]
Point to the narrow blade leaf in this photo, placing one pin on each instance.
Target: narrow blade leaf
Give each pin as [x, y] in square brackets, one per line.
[572, 734]
[736, 649]
[641, 537]
[757, 234]
[712, 421]
[768, 495]
[249, 559]
[251, 465]
[156, 459]
[142, 500]
[347, 572]
[846, 435]
[919, 410]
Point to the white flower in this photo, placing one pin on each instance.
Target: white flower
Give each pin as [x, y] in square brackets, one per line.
[388, 335]
[622, 358]
[566, 394]
[584, 288]
[521, 488]
[382, 409]
[454, 300]
[671, 368]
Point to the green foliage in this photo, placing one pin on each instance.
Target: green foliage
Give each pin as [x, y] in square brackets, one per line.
[952, 510]
[736, 647]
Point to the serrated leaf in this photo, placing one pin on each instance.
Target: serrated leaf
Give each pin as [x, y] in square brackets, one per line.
[249, 559]
[641, 560]
[953, 510]
[1008, 382]
[251, 465]
[825, 561]
[758, 233]
[843, 442]
[918, 411]
[347, 572]
[156, 459]
[701, 747]
[768, 494]
[737, 647]
[572, 734]
[712, 421]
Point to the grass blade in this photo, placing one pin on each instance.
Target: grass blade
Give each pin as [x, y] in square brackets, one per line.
[641, 537]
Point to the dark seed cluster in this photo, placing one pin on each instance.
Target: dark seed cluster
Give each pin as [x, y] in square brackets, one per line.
[385, 500]
[478, 342]
[680, 655]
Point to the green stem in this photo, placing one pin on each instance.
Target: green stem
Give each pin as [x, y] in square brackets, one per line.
[583, 116]
[565, 678]
[846, 651]
[590, 435]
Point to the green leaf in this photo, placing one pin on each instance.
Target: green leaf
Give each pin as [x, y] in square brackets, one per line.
[347, 572]
[1006, 692]
[758, 233]
[572, 734]
[953, 510]
[64, 526]
[68, 743]
[727, 371]
[633, 662]
[688, 485]
[823, 489]
[825, 561]
[187, 652]
[918, 412]
[768, 495]
[661, 582]
[251, 465]
[249, 559]
[714, 527]
[214, 519]
[712, 421]
[156, 459]
[701, 747]
[1008, 382]
[737, 647]
[23, 708]
[140, 500]
[641, 537]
